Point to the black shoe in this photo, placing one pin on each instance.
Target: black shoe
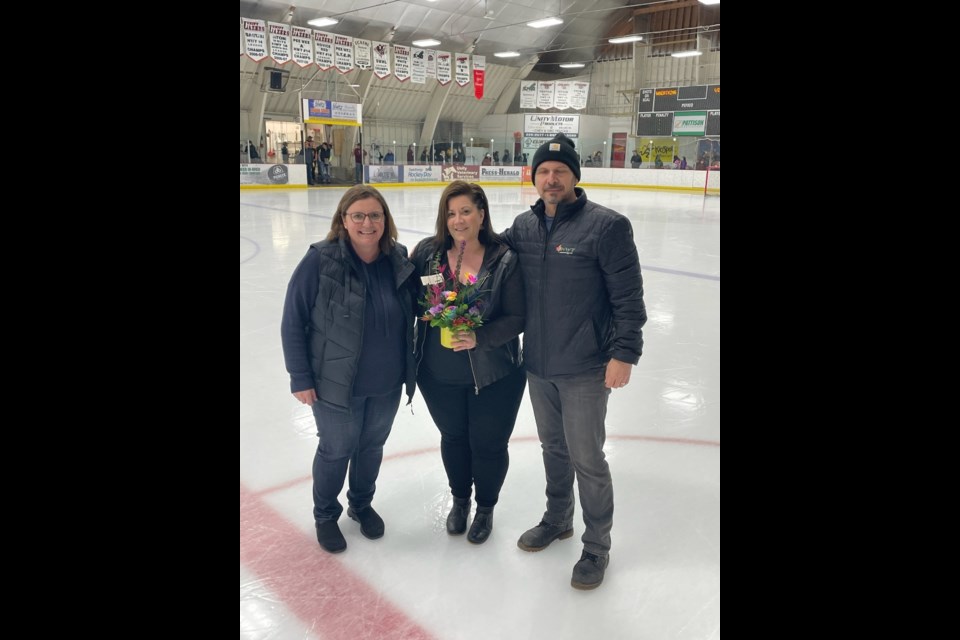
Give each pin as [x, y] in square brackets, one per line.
[482, 525]
[371, 524]
[588, 572]
[329, 536]
[457, 518]
[542, 535]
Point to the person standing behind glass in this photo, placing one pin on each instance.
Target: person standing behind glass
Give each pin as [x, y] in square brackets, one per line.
[473, 391]
[310, 156]
[582, 337]
[347, 333]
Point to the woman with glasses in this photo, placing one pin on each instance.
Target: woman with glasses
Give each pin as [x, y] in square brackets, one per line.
[472, 389]
[347, 333]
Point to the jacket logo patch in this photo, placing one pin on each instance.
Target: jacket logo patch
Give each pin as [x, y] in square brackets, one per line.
[568, 251]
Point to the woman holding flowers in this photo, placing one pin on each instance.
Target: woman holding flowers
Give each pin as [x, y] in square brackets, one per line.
[471, 291]
[347, 329]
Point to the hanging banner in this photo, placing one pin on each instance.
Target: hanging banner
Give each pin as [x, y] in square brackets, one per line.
[343, 53]
[279, 42]
[255, 39]
[323, 42]
[545, 95]
[241, 36]
[578, 95]
[418, 66]
[561, 94]
[528, 95]
[431, 64]
[381, 59]
[302, 49]
[479, 65]
[443, 67]
[401, 62]
[361, 52]
[463, 69]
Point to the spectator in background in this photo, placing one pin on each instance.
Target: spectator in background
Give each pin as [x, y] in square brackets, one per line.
[358, 155]
[310, 156]
[487, 160]
[423, 156]
[496, 157]
[636, 160]
[676, 162]
[410, 155]
[683, 163]
[388, 159]
[324, 164]
[285, 153]
[507, 160]
[658, 162]
[254, 154]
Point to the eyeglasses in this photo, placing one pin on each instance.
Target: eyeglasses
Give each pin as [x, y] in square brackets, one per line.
[358, 217]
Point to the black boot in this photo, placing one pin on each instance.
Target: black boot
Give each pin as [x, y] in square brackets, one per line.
[482, 525]
[457, 518]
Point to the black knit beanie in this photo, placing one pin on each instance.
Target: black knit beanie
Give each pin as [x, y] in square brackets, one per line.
[560, 149]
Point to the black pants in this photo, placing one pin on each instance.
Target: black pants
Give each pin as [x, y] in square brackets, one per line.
[474, 431]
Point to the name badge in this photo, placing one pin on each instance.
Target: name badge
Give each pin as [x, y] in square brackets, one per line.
[434, 279]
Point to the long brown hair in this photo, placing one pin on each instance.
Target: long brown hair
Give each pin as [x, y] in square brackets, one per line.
[338, 230]
[475, 192]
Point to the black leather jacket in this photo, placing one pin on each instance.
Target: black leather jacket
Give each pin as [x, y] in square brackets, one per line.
[498, 346]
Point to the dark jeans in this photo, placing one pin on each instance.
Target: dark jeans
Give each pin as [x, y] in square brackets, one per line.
[474, 432]
[355, 437]
[570, 413]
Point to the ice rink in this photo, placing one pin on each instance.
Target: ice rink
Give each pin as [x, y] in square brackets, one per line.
[663, 446]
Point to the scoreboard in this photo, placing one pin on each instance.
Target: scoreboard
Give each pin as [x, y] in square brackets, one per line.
[655, 124]
[696, 98]
[656, 107]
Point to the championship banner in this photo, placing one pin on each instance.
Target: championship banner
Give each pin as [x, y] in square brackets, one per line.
[443, 67]
[578, 95]
[463, 69]
[361, 52]
[561, 94]
[479, 65]
[528, 95]
[255, 38]
[431, 64]
[343, 53]
[381, 59]
[418, 66]
[545, 95]
[302, 49]
[401, 62]
[323, 42]
[279, 42]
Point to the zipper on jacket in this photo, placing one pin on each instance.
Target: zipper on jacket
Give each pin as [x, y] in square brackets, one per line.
[476, 386]
[543, 289]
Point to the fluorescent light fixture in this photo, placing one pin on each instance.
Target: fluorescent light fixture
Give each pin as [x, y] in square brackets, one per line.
[322, 22]
[429, 42]
[686, 54]
[507, 54]
[572, 65]
[355, 86]
[709, 1]
[546, 22]
[625, 39]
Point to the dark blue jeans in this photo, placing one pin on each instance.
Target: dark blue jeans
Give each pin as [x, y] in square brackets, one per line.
[570, 413]
[355, 437]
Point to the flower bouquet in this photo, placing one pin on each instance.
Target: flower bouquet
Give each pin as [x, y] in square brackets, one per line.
[448, 303]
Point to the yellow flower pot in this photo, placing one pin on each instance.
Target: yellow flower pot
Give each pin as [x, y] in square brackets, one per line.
[446, 337]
